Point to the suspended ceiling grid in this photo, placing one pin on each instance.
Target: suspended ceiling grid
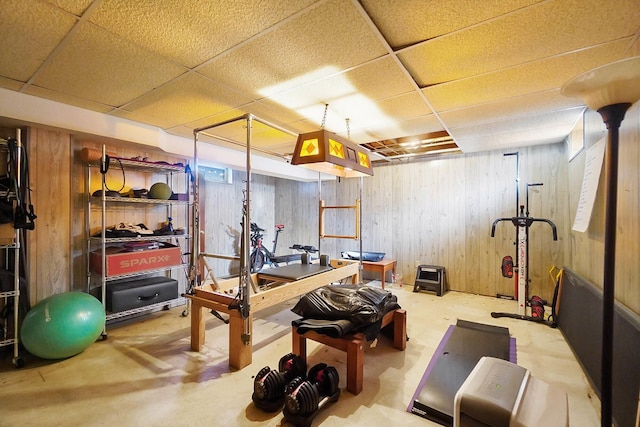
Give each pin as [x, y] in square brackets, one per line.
[391, 72]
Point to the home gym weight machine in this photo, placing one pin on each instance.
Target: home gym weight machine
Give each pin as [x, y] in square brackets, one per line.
[241, 307]
[522, 221]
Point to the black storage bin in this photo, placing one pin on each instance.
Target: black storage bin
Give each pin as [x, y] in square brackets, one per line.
[138, 293]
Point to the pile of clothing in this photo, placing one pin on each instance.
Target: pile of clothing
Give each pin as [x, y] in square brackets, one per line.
[338, 310]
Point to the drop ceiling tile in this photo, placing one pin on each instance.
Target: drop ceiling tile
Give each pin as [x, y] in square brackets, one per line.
[273, 112]
[419, 20]
[520, 106]
[554, 119]
[184, 100]
[181, 130]
[77, 7]
[546, 29]
[29, 32]
[232, 134]
[315, 45]
[10, 83]
[413, 126]
[390, 116]
[370, 96]
[378, 79]
[192, 32]
[98, 66]
[67, 99]
[528, 78]
[404, 107]
[542, 135]
[264, 139]
[634, 50]
[215, 119]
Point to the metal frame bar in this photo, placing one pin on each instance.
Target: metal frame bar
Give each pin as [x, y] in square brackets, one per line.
[355, 207]
[245, 272]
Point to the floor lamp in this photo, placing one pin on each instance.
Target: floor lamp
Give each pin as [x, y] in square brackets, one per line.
[610, 90]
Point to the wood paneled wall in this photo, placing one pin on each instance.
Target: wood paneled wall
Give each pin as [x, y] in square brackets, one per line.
[49, 258]
[437, 212]
[440, 212]
[587, 249]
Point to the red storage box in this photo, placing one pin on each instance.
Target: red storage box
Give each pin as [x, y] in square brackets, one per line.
[120, 261]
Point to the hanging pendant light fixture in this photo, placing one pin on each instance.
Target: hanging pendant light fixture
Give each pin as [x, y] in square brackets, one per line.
[329, 153]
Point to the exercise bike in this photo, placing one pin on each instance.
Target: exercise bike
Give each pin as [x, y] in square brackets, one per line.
[260, 255]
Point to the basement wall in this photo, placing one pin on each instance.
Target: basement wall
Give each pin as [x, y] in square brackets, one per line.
[436, 212]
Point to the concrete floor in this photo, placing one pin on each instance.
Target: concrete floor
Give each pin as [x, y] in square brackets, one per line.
[144, 374]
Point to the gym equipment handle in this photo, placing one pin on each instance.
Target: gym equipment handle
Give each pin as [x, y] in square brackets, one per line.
[524, 221]
[147, 298]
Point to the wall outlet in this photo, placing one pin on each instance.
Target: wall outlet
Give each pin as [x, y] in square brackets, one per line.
[417, 263]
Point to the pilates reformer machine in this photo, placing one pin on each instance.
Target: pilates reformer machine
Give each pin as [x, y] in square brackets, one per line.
[283, 282]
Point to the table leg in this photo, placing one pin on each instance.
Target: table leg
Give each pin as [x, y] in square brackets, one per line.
[197, 327]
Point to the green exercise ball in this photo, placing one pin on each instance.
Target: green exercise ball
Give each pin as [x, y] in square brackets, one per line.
[62, 325]
[159, 190]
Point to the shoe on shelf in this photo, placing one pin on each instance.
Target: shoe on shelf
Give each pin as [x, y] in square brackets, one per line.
[166, 230]
[142, 229]
[112, 233]
[139, 229]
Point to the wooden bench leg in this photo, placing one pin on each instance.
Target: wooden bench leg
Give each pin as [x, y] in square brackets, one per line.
[299, 344]
[354, 347]
[400, 329]
[355, 366]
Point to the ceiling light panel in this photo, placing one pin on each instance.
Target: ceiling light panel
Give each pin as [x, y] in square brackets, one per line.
[528, 78]
[540, 31]
[29, 27]
[333, 34]
[206, 28]
[418, 20]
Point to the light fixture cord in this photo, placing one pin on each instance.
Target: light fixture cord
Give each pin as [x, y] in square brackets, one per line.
[324, 116]
[348, 129]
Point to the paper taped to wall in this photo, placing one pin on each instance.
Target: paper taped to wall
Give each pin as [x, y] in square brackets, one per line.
[592, 168]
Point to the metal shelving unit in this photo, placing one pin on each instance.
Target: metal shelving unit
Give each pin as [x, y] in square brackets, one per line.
[12, 249]
[105, 203]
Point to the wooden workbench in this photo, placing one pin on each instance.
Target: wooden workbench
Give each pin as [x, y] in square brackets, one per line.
[240, 350]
